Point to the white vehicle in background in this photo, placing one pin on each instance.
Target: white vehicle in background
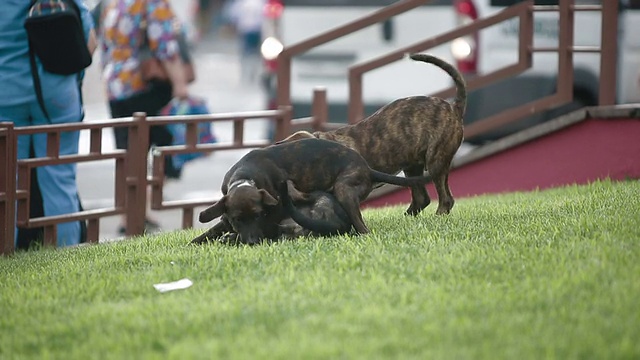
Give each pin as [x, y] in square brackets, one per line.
[291, 21]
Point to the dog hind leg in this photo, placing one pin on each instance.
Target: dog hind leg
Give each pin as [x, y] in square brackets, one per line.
[438, 167]
[445, 199]
[295, 194]
[349, 197]
[419, 196]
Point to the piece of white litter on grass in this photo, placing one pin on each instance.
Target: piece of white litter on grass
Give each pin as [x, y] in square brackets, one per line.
[175, 285]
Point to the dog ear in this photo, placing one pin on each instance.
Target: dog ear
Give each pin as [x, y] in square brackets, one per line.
[213, 211]
[267, 199]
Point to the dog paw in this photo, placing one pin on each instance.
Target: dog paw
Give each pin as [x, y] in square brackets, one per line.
[414, 210]
[229, 239]
[199, 240]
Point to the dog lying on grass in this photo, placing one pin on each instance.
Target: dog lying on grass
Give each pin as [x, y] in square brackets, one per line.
[318, 214]
[250, 205]
[410, 135]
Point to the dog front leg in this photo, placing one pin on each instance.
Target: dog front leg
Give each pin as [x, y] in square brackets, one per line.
[216, 232]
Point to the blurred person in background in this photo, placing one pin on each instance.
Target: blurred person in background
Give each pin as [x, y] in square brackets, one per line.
[247, 17]
[63, 103]
[205, 14]
[130, 31]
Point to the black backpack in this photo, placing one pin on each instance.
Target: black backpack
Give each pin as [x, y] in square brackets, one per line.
[56, 37]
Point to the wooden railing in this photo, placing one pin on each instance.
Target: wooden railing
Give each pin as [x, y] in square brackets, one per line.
[523, 11]
[285, 57]
[131, 178]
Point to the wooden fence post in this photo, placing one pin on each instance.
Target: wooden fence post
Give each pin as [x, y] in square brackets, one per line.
[8, 161]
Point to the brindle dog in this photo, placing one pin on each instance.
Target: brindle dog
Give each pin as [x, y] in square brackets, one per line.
[250, 188]
[410, 134]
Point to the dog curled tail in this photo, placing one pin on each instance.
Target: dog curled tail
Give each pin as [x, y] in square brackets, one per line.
[460, 101]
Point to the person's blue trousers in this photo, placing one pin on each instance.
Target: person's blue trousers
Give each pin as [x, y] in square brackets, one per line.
[57, 183]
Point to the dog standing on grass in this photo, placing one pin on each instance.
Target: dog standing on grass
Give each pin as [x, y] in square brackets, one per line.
[250, 205]
[410, 135]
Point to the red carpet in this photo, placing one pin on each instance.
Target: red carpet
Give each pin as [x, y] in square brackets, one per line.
[589, 150]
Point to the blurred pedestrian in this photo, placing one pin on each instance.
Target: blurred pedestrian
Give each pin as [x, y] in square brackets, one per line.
[248, 17]
[204, 17]
[62, 100]
[131, 32]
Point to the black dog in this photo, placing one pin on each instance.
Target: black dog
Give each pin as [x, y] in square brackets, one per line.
[319, 215]
[250, 187]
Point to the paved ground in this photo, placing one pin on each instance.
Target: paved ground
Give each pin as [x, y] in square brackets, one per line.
[218, 80]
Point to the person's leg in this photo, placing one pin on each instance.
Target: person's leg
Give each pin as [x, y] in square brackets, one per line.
[27, 237]
[151, 102]
[59, 189]
[121, 109]
[161, 136]
[250, 59]
[58, 183]
[19, 115]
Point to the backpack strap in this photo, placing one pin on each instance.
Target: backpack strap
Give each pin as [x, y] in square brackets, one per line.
[36, 82]
[36, 76]
[80, 75]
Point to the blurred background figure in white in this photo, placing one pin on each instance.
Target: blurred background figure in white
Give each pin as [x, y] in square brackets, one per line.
[247, 17]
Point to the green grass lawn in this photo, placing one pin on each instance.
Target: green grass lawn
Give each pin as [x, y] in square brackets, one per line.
[549, 274]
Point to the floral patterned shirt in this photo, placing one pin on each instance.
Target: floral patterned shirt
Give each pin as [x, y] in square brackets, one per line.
[130, 29]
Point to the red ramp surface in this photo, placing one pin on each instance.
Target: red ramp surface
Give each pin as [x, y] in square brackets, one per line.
[580, 152]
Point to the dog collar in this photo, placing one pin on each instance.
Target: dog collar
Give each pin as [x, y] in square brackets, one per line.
[241, 183]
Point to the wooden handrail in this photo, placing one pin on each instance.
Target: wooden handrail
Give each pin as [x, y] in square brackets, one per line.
[524, 11]
[131, 178]
[521, 10]
[284, 58]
